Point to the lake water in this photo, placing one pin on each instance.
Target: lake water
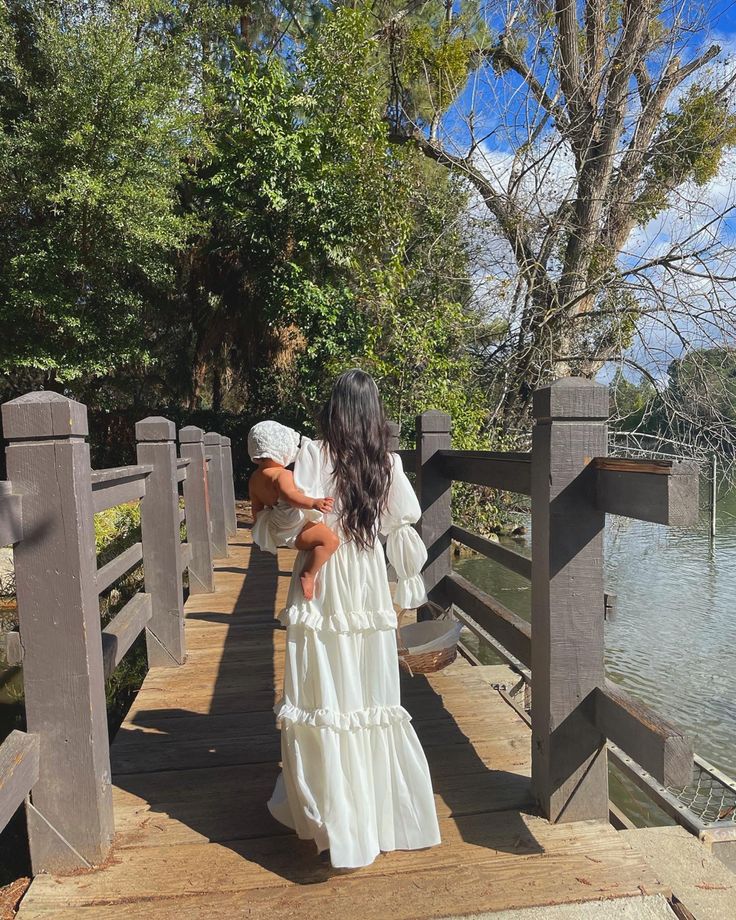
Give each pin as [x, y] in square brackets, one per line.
[673, 642]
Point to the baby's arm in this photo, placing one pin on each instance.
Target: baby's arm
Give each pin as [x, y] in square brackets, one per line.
[294, 496]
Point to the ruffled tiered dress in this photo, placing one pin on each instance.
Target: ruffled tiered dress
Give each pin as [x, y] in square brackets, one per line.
[354, 776]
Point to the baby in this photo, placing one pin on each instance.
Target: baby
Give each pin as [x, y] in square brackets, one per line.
[283, 514]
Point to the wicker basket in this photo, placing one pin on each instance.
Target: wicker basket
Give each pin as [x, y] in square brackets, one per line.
[431, 661]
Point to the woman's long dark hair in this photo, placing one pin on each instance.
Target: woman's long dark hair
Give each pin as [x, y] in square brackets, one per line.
[353, 426]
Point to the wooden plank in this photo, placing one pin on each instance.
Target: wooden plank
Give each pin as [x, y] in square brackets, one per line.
[228, 482]
[652, 789]
[434, 490]
[568, 752]
[619, 819]
[497, 470]
[181, 474]
[58, 611]
[186, 555]
[634, 465]
[11, 516]
[508, 628]
[161, 543]
[196, 759]
[539, 867]
[118, 485]
[216, 492]
[18, 772]
[663, 492]
[408, 460]
[182, 515]
[12, 648]
[122, 631]
[111, 571]
[505, 556]
[209, 805]
[197, 510]
[399, 893]
[655, 744]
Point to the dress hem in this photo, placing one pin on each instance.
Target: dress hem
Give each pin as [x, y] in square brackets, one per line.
[353, 720]
[311, 617]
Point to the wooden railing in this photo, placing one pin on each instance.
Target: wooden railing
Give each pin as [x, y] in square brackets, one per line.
[572, 485]
[61, 766]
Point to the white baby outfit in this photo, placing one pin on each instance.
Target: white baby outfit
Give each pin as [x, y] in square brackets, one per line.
[280, 524]
[355, 778]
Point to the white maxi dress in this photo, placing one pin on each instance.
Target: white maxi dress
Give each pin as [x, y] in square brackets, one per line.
[354, 776]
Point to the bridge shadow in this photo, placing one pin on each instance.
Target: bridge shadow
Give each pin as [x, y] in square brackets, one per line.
[210, 767]
[485, 801]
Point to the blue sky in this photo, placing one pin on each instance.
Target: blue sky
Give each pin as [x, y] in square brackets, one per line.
[497, 104]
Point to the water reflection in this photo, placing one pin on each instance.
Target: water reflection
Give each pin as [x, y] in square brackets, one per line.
[674, 639]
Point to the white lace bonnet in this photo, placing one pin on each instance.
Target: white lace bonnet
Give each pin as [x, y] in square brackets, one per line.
[274, 441]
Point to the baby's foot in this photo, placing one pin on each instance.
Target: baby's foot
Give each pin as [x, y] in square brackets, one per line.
[307, 580]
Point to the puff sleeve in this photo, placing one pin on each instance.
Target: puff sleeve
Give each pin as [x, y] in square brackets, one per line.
[406, 552]
[309, 469]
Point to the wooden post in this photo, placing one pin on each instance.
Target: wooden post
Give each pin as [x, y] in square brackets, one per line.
[394, 430]
[216, 486]
[435, 491]
[228, 479]
[197, 504]
[70, 816]
[569, 769]
[161, 542]
[713, 493]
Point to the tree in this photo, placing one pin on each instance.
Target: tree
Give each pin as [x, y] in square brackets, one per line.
[201, 208]
[589, 132]
[699, 402]
[95, 136]
[324, 245]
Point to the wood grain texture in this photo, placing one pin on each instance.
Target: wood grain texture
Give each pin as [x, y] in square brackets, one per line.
[216, 491]
[655, 744]
[111, 571]
[497, 470]
[514, 633]
[634, 489]
[196, 758]
[18, 772]
[434, 489]
[161, 543]
[504, 555]
[197, 509]
[58, 612]
[122, 631]
[118, 485]
[569, 755]
[228, 482]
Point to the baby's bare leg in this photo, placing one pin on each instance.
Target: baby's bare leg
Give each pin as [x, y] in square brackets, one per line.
[320, 542]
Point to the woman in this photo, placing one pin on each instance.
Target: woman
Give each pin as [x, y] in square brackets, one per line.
[354, 778]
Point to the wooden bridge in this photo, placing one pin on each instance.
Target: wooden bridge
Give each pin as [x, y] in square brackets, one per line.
[182, 829]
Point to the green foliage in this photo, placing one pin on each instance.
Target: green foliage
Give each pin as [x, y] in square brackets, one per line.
[631, 402]
[431, 55]
[191, 217]
[690, 145]
[702, 386]
[116, 529]
[93, 144]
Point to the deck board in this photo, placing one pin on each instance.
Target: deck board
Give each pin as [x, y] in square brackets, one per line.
[197, 755]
